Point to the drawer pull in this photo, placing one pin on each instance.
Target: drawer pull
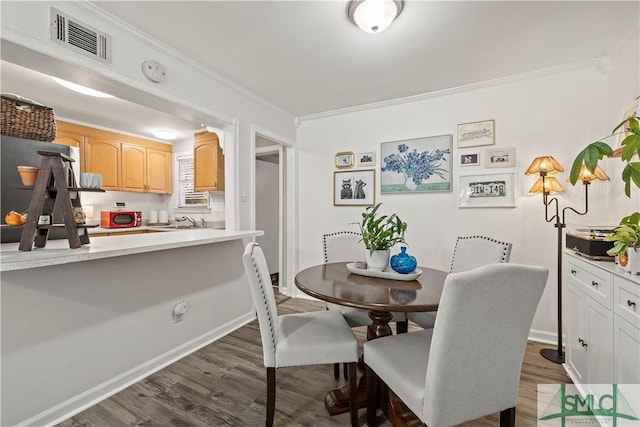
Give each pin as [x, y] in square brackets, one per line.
[573, 272]
[594, 284]
[581, 341]
[631, 303]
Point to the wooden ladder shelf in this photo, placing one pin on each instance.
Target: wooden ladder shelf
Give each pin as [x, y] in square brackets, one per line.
[56, 182]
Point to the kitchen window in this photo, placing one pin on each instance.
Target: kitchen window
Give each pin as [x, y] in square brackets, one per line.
[187, 197]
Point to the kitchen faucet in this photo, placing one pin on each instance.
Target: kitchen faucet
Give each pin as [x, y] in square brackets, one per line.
[186, 218]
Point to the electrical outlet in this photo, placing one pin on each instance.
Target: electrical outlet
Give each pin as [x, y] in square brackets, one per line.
[178, 311]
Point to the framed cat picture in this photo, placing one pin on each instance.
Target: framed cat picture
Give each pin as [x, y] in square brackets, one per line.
[354, 188]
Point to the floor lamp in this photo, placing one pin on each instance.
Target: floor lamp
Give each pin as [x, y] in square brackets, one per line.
[545, 166]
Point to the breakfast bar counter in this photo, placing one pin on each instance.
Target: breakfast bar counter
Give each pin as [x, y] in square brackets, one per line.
[58, 252]
[81, 324]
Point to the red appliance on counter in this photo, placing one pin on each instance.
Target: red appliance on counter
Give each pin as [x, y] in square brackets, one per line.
[120, 219]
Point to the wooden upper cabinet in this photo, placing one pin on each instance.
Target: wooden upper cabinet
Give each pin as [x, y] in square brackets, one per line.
[103, 156]
[208, 162]
[159, 177]
[69, 139]
[126, 163]
[134, 168]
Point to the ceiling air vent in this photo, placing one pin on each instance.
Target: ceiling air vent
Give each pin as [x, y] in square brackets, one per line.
[79, 37]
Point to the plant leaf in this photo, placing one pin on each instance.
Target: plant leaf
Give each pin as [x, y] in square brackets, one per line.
[575, 167]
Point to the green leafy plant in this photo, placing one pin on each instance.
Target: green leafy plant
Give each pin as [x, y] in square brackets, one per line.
[598, 150]
[381, 232]
[625, 235]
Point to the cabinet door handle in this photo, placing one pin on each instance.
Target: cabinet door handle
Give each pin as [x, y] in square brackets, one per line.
[573, 272]
[584, 344]
[594, 283]
[580, 340]
[631, 303]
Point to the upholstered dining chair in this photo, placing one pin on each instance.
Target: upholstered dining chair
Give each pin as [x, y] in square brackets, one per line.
[470, 252]
[313, 338]
[345, 246]
[468, 365]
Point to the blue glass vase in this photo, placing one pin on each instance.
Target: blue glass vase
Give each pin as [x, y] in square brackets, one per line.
[403, 263]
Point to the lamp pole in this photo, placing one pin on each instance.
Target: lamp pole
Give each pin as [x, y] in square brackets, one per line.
[557, 355]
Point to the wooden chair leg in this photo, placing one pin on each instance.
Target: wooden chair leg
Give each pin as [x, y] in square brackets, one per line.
[353, 394]
[372, 397]
[336, 371]
[508, 417]
[271, 395]
[402, 327]
[345, 370]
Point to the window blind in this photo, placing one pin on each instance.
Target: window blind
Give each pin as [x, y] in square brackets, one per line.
[188, 197]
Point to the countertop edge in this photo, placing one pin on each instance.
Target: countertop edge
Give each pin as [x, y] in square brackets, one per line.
[57, 252]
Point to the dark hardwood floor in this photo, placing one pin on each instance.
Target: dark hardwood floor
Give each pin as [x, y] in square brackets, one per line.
[224, 384]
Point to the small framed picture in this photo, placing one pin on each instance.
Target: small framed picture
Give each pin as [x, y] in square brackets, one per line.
[500, 157]
[470, 159]
[367, 158]
[475, 134]
[487, 191]
[354, 188]
[630, 111]
[344, 159]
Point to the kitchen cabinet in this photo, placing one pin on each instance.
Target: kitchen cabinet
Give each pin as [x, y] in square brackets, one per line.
[602, 322]
[208, 162]
[103, 156]
[126, 163]
[146, 169]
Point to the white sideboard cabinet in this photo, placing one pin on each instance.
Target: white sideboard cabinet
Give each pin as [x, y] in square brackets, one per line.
[602, 322]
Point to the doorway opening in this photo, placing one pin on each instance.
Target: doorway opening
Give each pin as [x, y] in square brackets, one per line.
[272, 204]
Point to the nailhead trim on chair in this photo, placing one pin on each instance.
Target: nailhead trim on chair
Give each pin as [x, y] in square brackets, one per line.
[337, 233]
[264, 296]
[505, 247]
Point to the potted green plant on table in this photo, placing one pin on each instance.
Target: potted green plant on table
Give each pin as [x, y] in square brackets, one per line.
[379, 234]
[626, 238]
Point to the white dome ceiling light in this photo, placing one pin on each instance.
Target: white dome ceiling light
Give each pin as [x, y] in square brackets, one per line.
[165, 134]
[374, 16]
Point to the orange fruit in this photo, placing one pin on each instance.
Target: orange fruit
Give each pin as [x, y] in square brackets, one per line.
[15, 218]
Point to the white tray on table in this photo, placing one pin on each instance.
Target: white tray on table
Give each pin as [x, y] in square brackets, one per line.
[384, 274]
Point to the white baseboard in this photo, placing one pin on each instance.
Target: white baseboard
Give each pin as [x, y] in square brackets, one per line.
[543, 336]
[102, 391]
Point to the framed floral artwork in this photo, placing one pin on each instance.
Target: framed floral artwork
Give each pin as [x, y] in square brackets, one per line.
[354, 188]
[420, 165]
[344, 159]
[487, 191]
[470, 159]
[500, 157]
[475, 134]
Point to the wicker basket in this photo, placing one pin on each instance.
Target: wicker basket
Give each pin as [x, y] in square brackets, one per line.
[27, 120]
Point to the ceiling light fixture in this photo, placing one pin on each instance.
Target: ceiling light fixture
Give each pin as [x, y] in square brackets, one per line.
[81, 89]
[165, 134]
[373, 16]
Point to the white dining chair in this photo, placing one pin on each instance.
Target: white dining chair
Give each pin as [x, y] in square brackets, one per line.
[468, 365]
[470, 252]
[346, 246]
[313, 338]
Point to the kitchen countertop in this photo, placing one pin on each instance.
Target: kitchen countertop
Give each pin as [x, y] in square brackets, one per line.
[57, 252]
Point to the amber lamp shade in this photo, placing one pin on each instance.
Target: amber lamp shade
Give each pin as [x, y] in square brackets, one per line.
[587, 176]
[545, 165]
[547, 185]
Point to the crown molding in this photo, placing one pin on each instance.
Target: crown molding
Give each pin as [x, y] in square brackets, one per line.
[156, 44]
[590, 63]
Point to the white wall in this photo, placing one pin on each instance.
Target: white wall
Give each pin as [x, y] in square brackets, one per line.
[268, 211]
[74, 334]
[555, 113]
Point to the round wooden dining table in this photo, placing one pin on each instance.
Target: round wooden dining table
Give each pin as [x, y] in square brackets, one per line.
[333, 282]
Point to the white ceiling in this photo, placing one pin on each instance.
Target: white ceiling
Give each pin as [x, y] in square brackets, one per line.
[306, 57]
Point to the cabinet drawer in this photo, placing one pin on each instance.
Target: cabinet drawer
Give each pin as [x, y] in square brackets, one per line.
[594, 281]
[627, 300]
